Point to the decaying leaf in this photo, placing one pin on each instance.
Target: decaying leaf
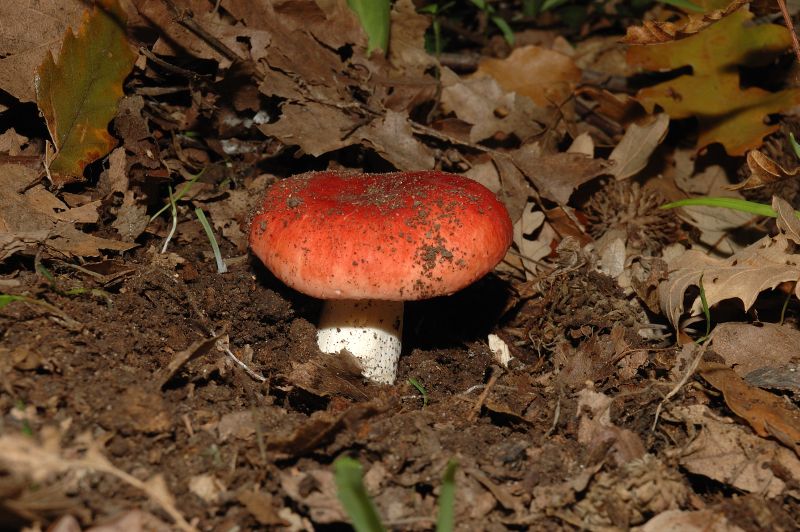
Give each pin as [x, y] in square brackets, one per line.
[27, 36]
[654, 32]
[556, 176]
[545, 76]
[768, 414]
[633, 152]
[41, 461]
[78, 94]
[744, 275]
[731, 454]
[748, 348]
[764, 171]
[37, 217]
[726, 113]
[489, 109]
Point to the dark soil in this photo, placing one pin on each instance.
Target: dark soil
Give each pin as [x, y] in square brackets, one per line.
[266, 448]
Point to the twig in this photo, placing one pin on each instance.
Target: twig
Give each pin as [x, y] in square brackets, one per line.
[787, 18]
[185, 18]
[689, 372]
[476, 410]
[556, 417]
[194, 76]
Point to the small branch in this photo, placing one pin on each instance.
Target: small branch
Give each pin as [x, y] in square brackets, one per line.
[476, 410]
[787, 18]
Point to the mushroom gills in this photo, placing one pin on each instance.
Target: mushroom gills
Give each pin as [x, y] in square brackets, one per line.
[370, 330]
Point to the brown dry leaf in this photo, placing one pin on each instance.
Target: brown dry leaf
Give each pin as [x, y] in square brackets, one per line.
[633, 152]
[490, 110]
[261, 507]
[131, 521]
[249, 43]
[764, 171]
[322, 502]
[30, 31]
[557, 176]
[620, 108]
[747, 348]
[42, 460]
[534, 238]
[715, 224]
[11, 142]
[132, 218]
[231, 213]
[730, 454]
[596, 430]
[744, 275]
[787, 220]
[685, 521]
[320, 114]
[514, 190]
[654, 32]
[545, 76]
[321, 427]
[767, 413]
[34, 218]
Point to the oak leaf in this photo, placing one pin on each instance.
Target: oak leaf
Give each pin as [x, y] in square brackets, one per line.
[744, 275]
[78, 94]
[726, 113]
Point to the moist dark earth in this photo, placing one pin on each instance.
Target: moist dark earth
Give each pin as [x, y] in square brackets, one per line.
[127, 364]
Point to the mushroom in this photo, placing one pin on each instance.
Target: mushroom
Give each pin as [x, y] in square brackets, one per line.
[365, 243]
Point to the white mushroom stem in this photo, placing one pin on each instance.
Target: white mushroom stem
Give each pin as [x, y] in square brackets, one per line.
[370, 330]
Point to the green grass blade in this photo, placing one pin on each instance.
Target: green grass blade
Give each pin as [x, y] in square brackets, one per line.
[201, 217]
[706, 310]
[376, 20]
[6, 299]
[505, 29]
[421, 389]
[759, 209]
[354, 497]
[795, 145]
[182, 192]
[446, 520]
[551, 4]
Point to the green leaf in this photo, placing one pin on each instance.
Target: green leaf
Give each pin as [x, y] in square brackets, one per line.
[78, 94]
[505, 29]
[375, 19]
[201, 217]
[6, 299]
[795, 145]
[446, 520]
[354, 497]
[552, 4]
[421, 389]
[759, 209]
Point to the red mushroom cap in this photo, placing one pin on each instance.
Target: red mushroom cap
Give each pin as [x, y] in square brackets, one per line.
[396, 236]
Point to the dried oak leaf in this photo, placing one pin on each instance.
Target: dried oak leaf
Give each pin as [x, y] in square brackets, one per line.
[764, 171]
[726, 113]
[745, 274]
[37, 217]
[545, 76]
[78, 95]
[654, 32]
[767, 413]
[31, 30]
